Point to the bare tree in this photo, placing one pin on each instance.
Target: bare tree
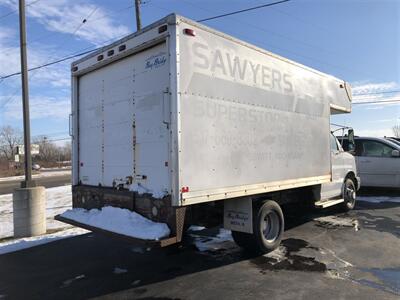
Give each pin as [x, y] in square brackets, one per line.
[48, 151]
[396, 130]
[10, 138]
[66, 152]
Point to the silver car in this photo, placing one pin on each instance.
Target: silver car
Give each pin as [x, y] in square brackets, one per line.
[378, 161]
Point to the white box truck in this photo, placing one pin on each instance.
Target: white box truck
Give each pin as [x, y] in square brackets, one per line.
[178, 122]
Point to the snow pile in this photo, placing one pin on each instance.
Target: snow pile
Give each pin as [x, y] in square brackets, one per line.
[23, 243]
[119, 220]
[58, 200]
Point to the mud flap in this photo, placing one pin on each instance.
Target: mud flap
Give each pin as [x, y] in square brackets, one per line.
[238, 214]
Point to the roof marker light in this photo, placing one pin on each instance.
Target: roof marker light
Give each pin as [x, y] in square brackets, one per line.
[110, 52]
[162, 29]
[100, 57]
[189, 31]
[122, 48]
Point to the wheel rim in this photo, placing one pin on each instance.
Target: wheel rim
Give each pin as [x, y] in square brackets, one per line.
[350, 194]
[271, 226]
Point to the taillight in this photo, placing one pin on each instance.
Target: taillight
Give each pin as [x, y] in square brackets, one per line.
[189, 31]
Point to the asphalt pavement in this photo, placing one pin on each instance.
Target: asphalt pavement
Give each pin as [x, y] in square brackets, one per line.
[324, 255]
[7, 187]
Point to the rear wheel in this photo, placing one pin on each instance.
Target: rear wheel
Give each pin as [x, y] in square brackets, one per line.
[349, 195]
[268, 226]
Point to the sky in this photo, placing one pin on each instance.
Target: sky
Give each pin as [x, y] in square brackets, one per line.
[354, 40]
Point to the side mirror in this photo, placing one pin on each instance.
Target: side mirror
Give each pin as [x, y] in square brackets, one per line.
[395, 153]
[352, 144]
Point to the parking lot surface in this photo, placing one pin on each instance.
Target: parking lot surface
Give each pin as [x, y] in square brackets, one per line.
[324, 255]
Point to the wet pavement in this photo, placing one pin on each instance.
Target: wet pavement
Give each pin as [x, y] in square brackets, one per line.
[324, 255]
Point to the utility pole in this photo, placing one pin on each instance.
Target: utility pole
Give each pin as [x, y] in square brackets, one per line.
[29, 201]
[25, 98]
[138, 19]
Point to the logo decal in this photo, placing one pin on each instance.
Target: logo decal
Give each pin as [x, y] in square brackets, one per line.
[156, 61]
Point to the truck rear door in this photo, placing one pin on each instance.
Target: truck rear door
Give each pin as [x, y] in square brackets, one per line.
[123, 111]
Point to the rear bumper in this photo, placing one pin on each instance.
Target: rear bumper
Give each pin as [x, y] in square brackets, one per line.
[88, 197]
[147, 243]
[158, 210]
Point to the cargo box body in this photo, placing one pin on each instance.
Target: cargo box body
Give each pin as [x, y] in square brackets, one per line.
[183, 112]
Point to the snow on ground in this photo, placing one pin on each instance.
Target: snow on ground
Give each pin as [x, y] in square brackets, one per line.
[223, 240]
[119, 220]
[338, 221]
[23, 243]
[378, 199]
[59, 199]
[41, 175]
[196, 228]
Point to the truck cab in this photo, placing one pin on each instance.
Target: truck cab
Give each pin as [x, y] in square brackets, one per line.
[345, 181]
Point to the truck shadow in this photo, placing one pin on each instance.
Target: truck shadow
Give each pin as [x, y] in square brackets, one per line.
[93, 265]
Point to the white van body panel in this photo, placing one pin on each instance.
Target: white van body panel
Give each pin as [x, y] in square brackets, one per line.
[200, 118]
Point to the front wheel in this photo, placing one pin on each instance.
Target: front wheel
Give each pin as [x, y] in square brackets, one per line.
[268, 227]
[349, 195]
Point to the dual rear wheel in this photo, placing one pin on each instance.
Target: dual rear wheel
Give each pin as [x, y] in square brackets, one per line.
[268, 227]
[268, 223]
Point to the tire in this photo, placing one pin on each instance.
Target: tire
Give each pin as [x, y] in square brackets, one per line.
[268, 227]
[244, 240]
[349, 195]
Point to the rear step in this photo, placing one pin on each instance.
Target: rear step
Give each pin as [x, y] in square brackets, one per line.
[148, 243]
[326, 203]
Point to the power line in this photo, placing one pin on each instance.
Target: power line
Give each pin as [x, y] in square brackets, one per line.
[269, 45]
[264, 29]
[52, 63]
[242, 10]
[16, 10]
[47, 64]
[377, 101]
[56, 32]
[62, 59]
[375, 93]
[202, 20]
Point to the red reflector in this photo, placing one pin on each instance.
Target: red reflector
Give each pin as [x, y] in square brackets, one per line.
[185, 189]
[189, 31]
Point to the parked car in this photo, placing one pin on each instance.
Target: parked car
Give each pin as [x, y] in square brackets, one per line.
[378, 161]
[36, 167]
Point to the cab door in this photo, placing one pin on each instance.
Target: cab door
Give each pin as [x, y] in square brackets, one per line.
[334, 188]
